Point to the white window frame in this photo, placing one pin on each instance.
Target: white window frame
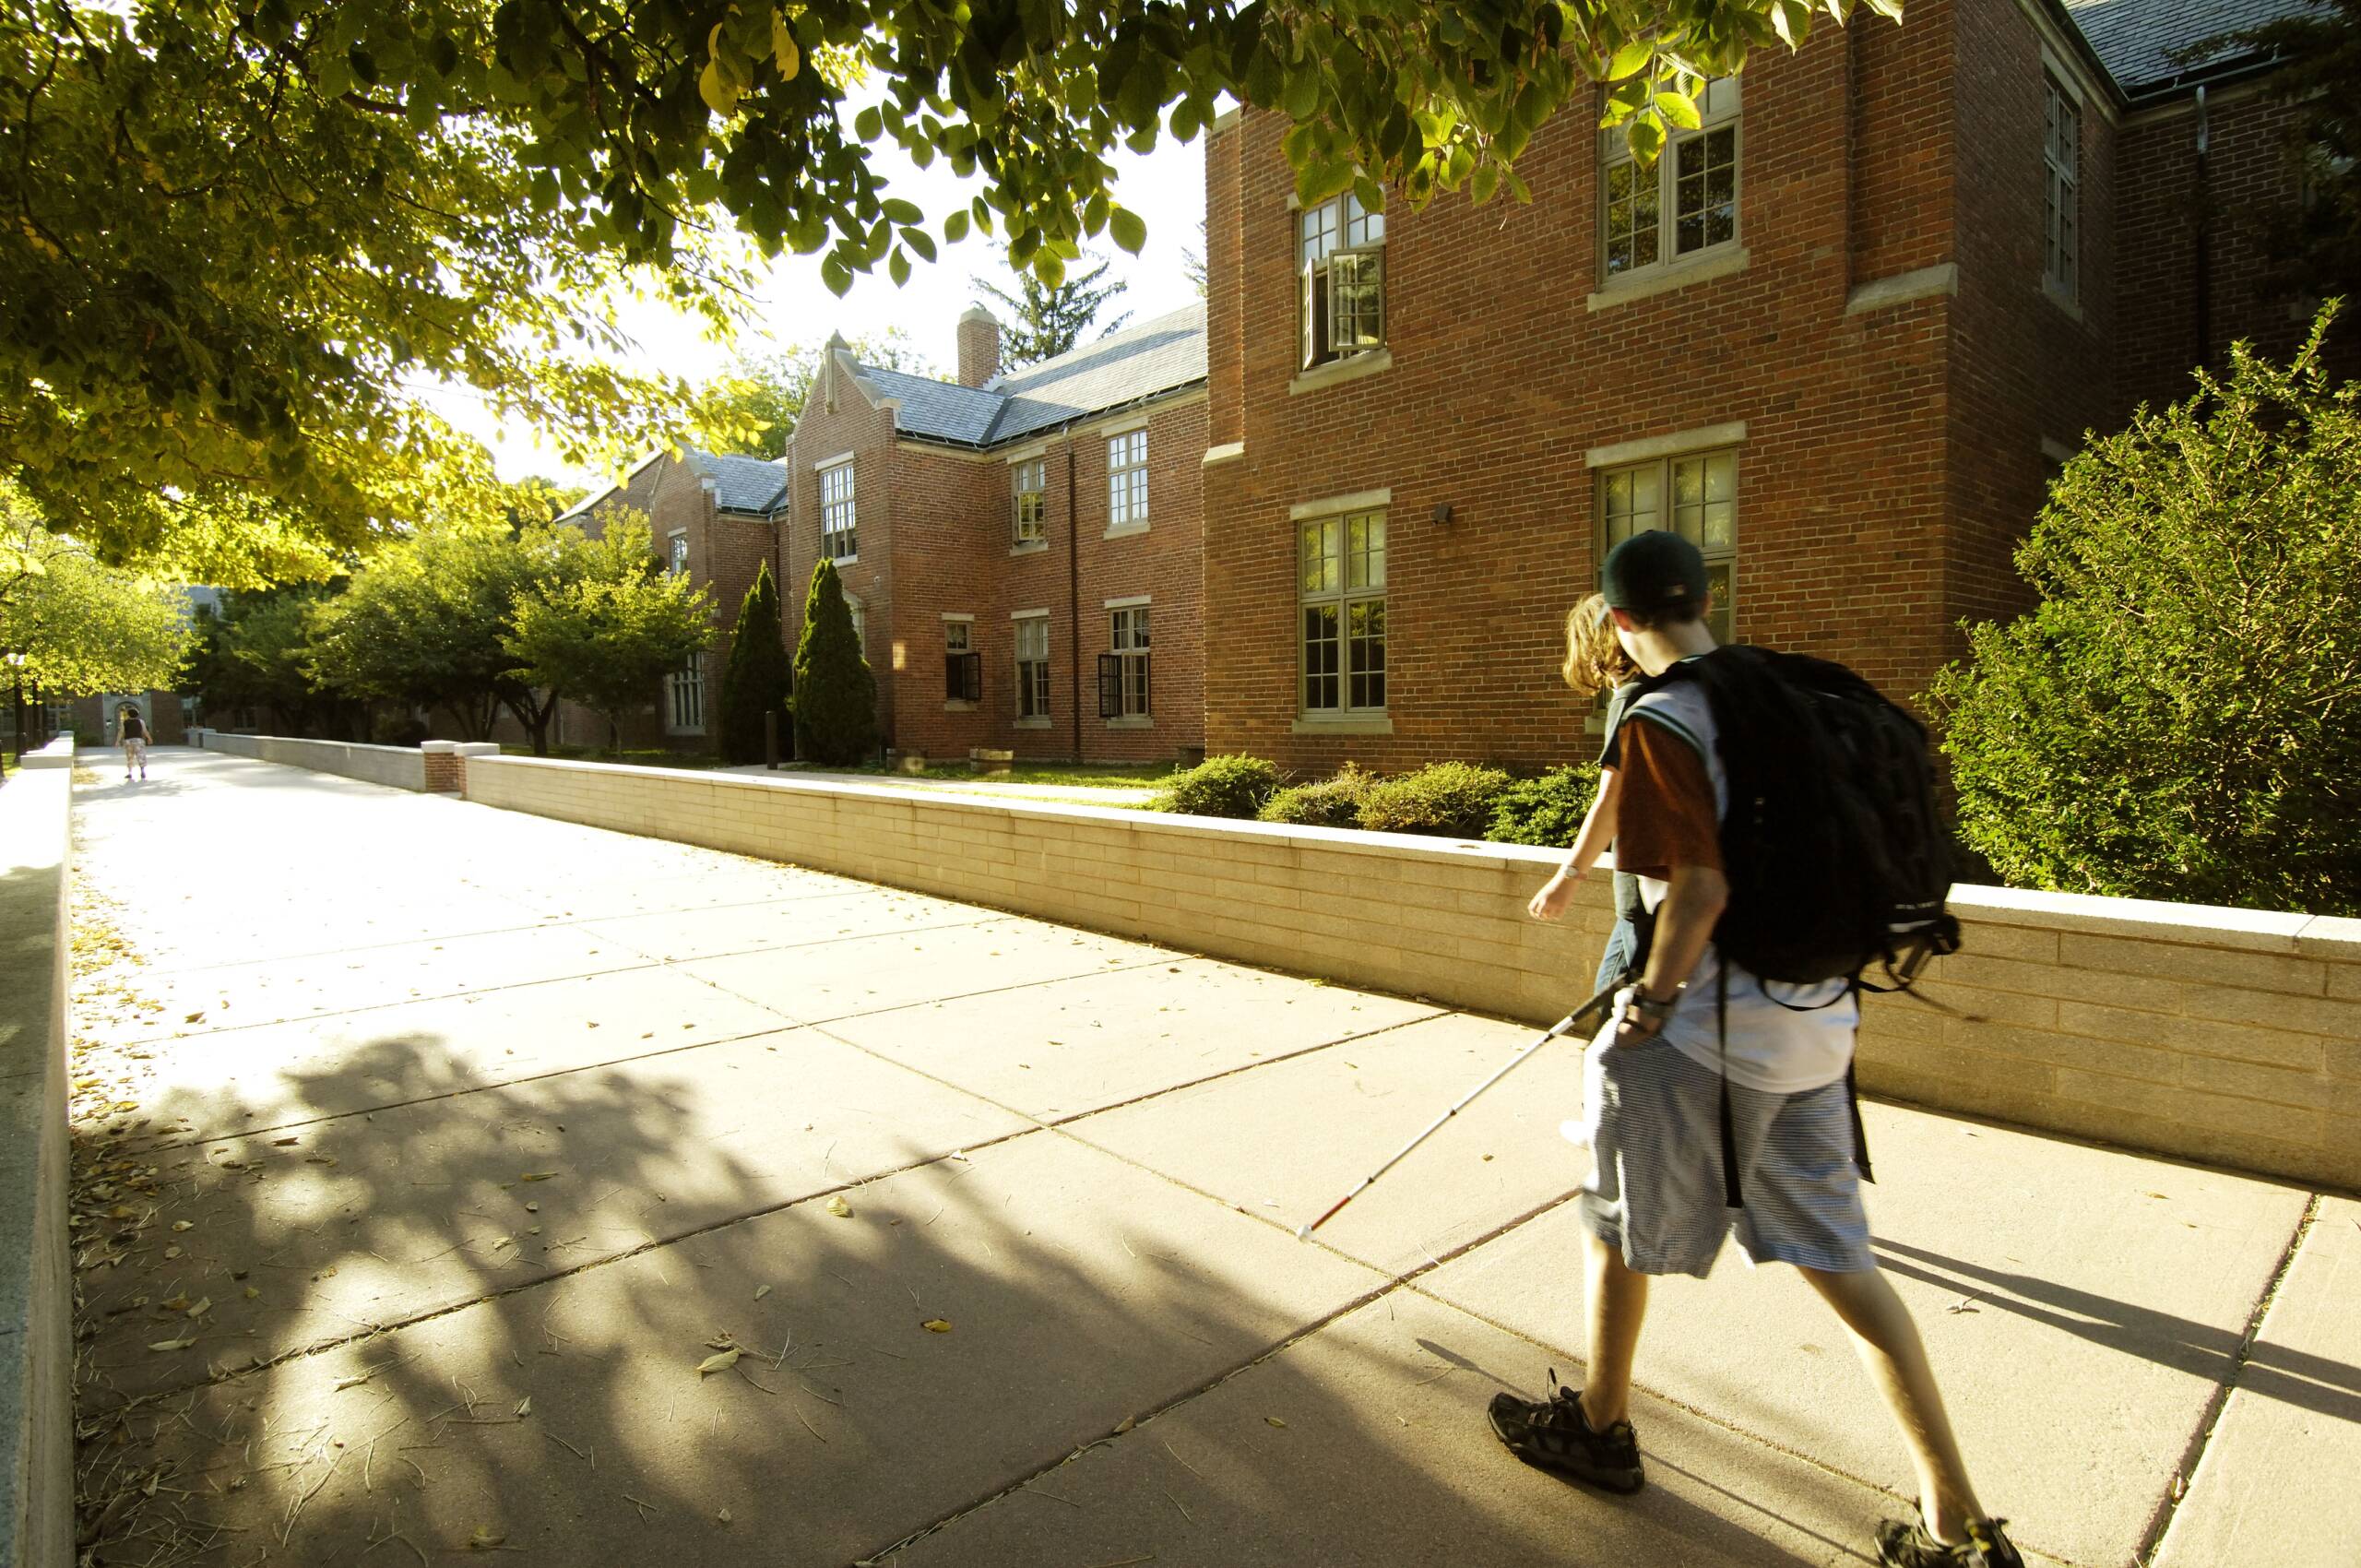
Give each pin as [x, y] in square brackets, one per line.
[676, 552]
[1681, 492]
[684, 698]
[2061, 206]
[1340, 274]
[1331, 588]
[1128, 640]
[1032, 667]
[1029, 487]
[859, 613]
[1718, 109]
[839, 514]
[1127, 479]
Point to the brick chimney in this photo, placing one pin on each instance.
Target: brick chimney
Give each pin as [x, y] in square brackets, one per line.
[979, 346]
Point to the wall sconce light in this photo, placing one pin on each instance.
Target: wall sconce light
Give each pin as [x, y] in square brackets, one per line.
[1443, 514]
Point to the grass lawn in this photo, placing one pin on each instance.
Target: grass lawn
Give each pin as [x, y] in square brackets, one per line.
[649, 759]
[1098, 775]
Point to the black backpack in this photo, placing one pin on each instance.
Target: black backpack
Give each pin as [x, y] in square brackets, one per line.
[1836, 857]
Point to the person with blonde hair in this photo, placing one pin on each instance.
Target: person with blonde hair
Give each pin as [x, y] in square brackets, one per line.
[1596, 664]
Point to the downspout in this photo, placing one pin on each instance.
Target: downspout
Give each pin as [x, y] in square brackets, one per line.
[1074, 590]
[2203, 292]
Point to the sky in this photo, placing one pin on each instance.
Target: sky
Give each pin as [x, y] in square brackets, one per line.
[1166, 187]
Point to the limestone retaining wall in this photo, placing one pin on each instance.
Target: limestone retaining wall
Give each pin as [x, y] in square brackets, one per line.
[2222, 1035]
[36, 1292]
[398, 768]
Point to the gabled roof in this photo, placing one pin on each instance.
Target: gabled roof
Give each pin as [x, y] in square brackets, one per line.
[742, 484]
[1155, 357]
[2139, 41]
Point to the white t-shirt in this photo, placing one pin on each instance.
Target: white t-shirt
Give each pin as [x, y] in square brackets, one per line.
[1770, 1045]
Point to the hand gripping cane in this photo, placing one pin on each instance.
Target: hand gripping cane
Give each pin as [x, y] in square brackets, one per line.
[1560, 1026]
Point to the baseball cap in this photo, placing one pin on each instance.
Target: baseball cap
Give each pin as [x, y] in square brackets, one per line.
[1654, 571]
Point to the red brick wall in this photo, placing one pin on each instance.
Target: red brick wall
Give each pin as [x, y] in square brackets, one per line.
[839, 419]
[2250, 184]
[1502, 380]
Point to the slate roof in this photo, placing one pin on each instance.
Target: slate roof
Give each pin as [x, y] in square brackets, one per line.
[742, 484]
[2138, 40]
[1159, 356]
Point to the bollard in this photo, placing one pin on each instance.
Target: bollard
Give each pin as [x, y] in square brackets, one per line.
[770, 739]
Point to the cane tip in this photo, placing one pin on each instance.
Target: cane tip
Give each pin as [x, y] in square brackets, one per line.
[1303, 1232]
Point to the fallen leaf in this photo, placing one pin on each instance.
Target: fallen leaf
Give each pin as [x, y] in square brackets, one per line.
[485, 1538]
[193, 1018]
[539, 1175]
[525, 1406]
[282, 1142]
[761, 1292]
[936, 1325]
[532, 1208]
[172, 1344]
[1276, 1422]
[204, 1305]
[176, 1304]
[344, 1382]
[837, 1207]
[1123, 1426]
[170, 1252]
[319, 1160]
[723, 1515]
[722, 1360]
[252, 1294]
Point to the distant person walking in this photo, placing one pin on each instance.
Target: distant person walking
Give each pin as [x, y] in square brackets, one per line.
[131, 734]
[1706, 1087]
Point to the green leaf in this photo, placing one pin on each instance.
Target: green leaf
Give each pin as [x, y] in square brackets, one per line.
[720, 95]
[898, 265]
[920, 241]
[869, 125]
[1646, 137]
[1631, 59]
[1302, 93]
[836, 275]
[1679, 110]
[897, 210]
[1487, 181]
[1130, 230]
[955, 227]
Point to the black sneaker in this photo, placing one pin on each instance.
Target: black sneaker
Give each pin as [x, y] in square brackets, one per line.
[1905, 1543]
[1553, 1434]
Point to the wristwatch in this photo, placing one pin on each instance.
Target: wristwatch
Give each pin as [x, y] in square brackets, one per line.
[1642, 1011]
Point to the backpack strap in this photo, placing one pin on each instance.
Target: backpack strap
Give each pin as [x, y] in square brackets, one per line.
[1860, 1134]
[1731, 1195]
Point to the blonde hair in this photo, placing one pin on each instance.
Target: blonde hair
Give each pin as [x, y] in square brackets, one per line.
[1595, 662]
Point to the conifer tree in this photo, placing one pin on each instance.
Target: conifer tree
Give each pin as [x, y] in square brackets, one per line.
[754, 683]
[1047, 319]
[836, 694]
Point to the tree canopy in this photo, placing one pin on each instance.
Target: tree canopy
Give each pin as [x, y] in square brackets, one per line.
[1043, 320]
[245, 235]
[2180, 716]
[79, 627]
[607, 632]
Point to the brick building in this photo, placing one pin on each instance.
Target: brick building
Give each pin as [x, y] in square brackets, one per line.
[716, 518]
[1023, 550]
[1840, 336]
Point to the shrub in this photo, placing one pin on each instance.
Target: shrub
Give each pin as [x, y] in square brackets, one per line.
[1547, 811]
[2178, 716]
[1222, 786]
[753, 685]
[835, 692]
[1330, 802]
[1454, 799]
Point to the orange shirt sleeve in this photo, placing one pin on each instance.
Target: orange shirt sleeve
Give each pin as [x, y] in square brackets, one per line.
[1667, 808]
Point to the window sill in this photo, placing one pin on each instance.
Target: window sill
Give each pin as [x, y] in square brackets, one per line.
[1038, 547]
[1032, 723]
[844, 560]
[1352, 724]
[1123, 530]
[1667, 277]
[1228, 451]
[1132, 721]
[2063, 300]
[1350, 368]
[957, 705]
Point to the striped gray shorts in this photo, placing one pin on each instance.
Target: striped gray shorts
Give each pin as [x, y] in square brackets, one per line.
[1654, 1190]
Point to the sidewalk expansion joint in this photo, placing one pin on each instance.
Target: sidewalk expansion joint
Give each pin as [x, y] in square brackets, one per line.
[2168, 1506]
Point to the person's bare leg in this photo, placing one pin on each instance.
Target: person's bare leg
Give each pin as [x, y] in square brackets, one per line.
[1619, 1304]
[1887, 1340]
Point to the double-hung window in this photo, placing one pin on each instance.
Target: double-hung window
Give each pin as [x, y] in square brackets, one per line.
[1683, 205]
[838, 539]
[1341, 255]
[1342, 599]
[1031, 481]
[685, 688]
[1694, 496]
[676, 552]
[1123, 673]
[1033, 667]
[2061, 148]
[963, 666]
[1127, 479]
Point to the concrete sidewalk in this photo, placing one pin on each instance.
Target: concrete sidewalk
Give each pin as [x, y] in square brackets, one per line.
[439, 1146]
